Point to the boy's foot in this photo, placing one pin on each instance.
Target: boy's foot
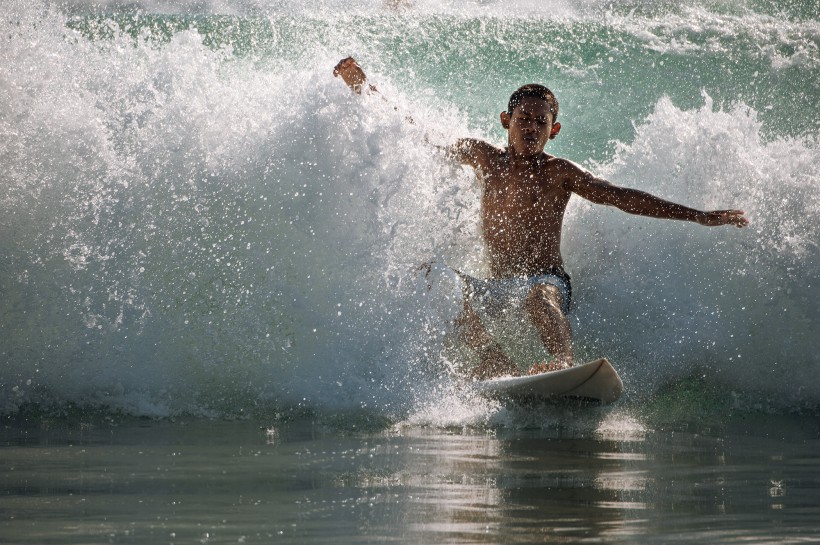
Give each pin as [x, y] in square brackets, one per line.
[545, 367]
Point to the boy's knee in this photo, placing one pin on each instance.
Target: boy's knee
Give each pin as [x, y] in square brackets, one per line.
[467, 321]
[545, 297]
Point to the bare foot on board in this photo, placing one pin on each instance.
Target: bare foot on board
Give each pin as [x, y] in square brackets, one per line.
[544, 367]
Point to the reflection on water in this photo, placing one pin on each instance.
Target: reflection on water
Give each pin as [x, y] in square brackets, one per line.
[300, 482]
[516, 486]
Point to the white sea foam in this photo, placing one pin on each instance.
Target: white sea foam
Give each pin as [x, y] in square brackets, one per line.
[192, 229]
[674, 296]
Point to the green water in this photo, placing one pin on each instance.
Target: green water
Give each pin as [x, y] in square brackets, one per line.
[611, 68]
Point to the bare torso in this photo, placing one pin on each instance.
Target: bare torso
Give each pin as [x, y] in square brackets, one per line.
[522, 214]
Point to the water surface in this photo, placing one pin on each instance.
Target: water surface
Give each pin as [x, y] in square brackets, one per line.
[306, 481]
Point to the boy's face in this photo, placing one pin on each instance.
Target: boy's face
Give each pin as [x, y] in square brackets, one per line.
[530, 126]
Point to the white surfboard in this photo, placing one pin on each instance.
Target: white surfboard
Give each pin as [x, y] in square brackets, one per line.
[596, 380]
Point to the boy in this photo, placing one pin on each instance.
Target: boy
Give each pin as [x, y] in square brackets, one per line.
[525, 195]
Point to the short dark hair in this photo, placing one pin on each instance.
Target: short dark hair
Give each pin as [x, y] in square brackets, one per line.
[536, 91]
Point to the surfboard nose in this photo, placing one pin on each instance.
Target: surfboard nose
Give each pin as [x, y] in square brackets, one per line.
[603, 384]
[597, 380]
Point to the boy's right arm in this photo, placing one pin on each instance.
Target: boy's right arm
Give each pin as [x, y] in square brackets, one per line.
[467, 151]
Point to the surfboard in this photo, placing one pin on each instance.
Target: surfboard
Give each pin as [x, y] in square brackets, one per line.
[596, 380]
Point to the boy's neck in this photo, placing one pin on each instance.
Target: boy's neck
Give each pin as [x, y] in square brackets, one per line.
[521, 159]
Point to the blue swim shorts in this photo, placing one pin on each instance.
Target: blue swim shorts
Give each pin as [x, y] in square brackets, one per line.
[496, 295]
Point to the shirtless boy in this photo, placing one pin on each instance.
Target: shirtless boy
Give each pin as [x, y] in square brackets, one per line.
[525, 195]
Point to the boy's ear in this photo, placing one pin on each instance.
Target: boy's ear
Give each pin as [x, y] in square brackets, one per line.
[505, 119]
[556, 128]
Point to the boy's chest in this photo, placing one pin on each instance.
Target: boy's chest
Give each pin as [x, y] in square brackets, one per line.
[521, 191]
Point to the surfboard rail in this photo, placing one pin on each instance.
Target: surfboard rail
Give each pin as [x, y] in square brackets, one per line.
[597, 380]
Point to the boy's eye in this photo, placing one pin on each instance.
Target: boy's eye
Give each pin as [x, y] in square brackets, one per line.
[539, 120]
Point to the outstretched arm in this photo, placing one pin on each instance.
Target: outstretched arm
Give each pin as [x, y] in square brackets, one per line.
[639, 202]
[467, 151]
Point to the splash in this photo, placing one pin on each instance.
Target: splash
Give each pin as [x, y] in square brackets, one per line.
[677, 297]
[187, 231]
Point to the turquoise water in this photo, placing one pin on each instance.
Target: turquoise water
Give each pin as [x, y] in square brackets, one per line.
[212, 324]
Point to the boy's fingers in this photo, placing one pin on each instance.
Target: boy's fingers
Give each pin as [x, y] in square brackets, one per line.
[728, 217]
[341, 64]
[737, 217]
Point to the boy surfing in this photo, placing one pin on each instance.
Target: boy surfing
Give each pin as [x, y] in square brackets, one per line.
[525, 195]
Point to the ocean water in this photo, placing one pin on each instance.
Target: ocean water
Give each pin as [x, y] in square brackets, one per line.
[304, 482]
[199, 224]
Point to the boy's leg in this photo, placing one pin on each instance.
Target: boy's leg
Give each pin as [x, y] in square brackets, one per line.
[494, 363]
[544, 307]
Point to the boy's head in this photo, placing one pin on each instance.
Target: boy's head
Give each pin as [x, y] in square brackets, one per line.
[530, 119]
[533, 90]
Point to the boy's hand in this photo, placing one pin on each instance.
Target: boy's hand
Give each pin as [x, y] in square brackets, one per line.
[351, 73]
[723, 217]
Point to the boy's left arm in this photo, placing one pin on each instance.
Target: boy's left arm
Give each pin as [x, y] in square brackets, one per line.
[642, 203]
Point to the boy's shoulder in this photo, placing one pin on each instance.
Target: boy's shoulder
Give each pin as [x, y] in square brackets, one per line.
[476, 153]
[562, 171]
[562, 164]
